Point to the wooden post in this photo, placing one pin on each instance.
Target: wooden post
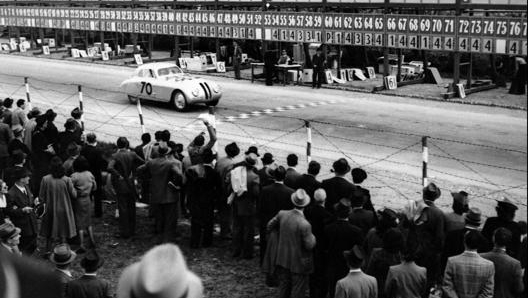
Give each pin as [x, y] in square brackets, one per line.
[176, 48]
[456, 57]
[102, 38]
[386, 49]
[150, 42]
[56, 39]
[398, 76]
[191, 46]
[470, 71]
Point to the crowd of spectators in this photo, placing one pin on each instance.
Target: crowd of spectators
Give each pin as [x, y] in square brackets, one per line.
[322, 238]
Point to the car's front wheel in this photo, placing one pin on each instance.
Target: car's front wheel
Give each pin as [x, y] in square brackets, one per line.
[132, 99]
[178, 101]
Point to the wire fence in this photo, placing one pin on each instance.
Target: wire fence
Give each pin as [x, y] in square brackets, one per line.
[395, 169]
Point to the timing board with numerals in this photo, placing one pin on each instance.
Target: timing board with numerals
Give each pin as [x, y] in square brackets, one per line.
[477, 34]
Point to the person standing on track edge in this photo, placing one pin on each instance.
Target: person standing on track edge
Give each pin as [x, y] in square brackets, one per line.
[237, 59]
[319, 65]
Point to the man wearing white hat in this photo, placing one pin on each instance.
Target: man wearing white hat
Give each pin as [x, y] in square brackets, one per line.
[161, 273]
[296, 242]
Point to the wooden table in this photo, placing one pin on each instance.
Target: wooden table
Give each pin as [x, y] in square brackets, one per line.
[284, 68]
[253, 65]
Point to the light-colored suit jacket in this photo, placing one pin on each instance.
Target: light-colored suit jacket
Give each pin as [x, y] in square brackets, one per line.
[296, 241]
[508, 274]
[468, 275]
[357, 285]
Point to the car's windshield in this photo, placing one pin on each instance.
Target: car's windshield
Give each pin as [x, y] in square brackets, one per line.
[174, 70]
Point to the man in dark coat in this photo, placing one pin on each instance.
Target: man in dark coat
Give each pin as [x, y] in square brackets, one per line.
[76, 116]
[8, 113]
[273, 198]
[265, 173]
[505, 219]
[166, 178]
[198, 146]
[42, 151]
[62, 256]
[319, 65]
[508, 272]
[245, 206]
[122, 167]
[337, 187]
[358, 176]
[19, 161]
[237, 59]
[454, 242]
[97, 163]
[67, 137]
[339, 237]
[204, 185]
[430, 235]
[292, 176]
[6, 135]
[89, 285]
[360, 216]
[308, 181]
[20, 206]
[318, 217]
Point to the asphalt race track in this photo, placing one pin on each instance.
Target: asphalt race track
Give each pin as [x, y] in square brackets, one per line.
[479, 149]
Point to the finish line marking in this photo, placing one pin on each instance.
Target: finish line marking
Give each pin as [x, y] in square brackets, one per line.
[282, 109]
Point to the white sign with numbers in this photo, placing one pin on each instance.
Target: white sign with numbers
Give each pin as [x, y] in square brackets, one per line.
[390, 82]
[220, 66]
[138, 59]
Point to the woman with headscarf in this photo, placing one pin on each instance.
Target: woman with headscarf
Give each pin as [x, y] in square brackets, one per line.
[57, 192]
[85, 185]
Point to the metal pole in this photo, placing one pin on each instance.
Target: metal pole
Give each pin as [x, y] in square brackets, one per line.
[27, 90]
[140, 112]
[425, 160]
[213, 123]
[81, 106]
[308, 141]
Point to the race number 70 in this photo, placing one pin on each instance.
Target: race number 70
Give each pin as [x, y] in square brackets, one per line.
[146, 87]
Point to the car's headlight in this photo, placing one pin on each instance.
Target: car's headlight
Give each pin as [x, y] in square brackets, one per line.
[216, 88]
[196, 92]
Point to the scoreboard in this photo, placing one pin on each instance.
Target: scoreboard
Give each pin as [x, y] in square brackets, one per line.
[478, 34]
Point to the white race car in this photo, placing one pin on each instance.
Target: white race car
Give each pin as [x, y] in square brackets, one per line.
[166, 82]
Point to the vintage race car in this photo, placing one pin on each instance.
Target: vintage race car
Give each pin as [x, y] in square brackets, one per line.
[166, 82]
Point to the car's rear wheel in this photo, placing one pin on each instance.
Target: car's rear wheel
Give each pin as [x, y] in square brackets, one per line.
[133, 99]
[212, 103]
[178, 101]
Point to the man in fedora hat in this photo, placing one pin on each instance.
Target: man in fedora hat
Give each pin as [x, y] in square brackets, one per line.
[267, 168]
[356, 283]
[454, 241]
[9, 238]
[20, 206]
[337, 187]
[89, 285]
[508, 272]
[161, 273]
[455, 220]
[273, 198]
[339, 237]
[294, 252]
[431, 234]
[506, 209]
[30, 125]
[62, 256]
[358, 177]
[223, 166]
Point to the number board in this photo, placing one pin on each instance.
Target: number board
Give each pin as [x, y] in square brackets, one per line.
[478, 34]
